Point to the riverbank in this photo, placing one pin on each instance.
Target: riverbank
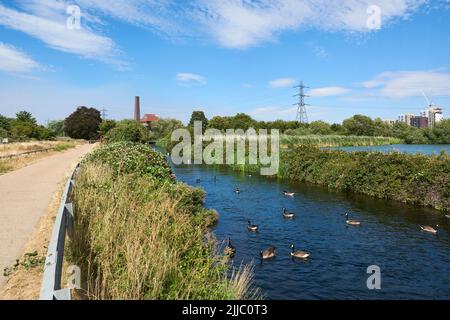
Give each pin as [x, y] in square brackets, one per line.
[141, 234]
[415, 179]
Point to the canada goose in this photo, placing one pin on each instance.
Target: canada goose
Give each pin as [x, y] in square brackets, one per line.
[289, 194]
[268, 254]
[352, 222]
[251, 227]
[237, 190]
[299, 254]
[429, 229]
[287, 214]
[230, 249]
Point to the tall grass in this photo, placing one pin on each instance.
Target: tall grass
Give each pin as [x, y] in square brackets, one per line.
[143, 238]
[322, 141]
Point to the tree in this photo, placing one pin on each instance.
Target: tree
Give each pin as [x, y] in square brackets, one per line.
[199, 116]
[57, 126]
[106, 126]
[359, 125]
[129, 130]
[320, 127]
[25, 116]
[242, 121]
[163, 128]
[83, 123]
[441, 132]
[5, 123]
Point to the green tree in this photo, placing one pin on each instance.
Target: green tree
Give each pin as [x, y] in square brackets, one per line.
[163, 128]
[320, 127]
[83, 123]
[57, 126]
[106, 126]
[129, 130]
[199, 116]
[25, 116]
[441, 132]
[5, 123]
[359, 125]
[220, 123]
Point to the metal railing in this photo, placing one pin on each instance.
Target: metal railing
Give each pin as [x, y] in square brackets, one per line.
[10, 156]
[51, 281]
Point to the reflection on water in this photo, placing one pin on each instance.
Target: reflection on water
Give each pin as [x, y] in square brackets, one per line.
[404, 148]
[413, 264]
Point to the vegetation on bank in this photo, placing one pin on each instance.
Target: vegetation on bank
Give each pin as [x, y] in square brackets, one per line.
[415, 179]
[358, 125]
[336, 140]
[141, 234]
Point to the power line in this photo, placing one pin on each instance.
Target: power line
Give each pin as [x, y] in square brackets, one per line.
[302, 115]
[104, 113]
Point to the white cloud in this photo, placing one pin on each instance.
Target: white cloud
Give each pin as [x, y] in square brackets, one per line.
[190, 78]
[47, 22]
[328, 91]
[16, 61]
[282, 83]
[405, 84]
[241, 24]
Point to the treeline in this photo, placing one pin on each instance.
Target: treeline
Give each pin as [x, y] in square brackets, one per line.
[358, 125]
[24, 127]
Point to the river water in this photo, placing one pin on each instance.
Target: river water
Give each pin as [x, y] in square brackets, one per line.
[414, 264]
[427, 149]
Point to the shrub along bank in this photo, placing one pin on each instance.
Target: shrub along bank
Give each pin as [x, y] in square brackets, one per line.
[140, 234]
[415, 179]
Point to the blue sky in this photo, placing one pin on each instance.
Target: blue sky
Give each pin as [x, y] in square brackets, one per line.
[224, 57]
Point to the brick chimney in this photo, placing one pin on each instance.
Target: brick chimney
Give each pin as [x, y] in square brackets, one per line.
[137, 109]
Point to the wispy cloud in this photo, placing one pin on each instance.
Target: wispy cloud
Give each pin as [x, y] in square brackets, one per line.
[237, 23]
[328, 91]
[46, 21]
[405, 84]
[190, 78]
[242, 24]
[282, 83]
[16, 61]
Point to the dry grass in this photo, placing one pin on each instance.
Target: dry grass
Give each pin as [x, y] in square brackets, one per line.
[7, 165]
[137, 239]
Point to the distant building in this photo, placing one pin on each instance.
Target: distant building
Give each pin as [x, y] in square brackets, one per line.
[419, 121]
[406, 118]
[148, 119]
[435, 115]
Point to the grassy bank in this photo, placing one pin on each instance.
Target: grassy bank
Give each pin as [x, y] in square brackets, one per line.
[415, 179]
[337, 140]
[141, 234]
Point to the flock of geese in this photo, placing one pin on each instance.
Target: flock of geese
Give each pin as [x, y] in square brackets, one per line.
[269, 253]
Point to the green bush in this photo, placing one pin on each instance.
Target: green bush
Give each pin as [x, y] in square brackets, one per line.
[416, 179]
[129, 130]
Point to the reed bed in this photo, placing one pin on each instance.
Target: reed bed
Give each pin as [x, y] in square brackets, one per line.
[323, 141]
